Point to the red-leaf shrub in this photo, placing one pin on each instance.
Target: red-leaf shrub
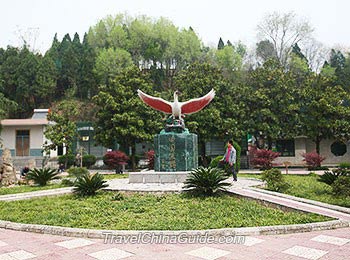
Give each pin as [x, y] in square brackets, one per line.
[150, 159]
[263, 158]
[115, 158]
[313, 160]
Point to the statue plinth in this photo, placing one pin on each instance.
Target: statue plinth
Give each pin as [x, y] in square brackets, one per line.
[175, 152]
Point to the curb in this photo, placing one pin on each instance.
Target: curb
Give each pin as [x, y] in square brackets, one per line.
[246, 231]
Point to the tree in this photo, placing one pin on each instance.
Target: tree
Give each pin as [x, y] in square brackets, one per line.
[272, 102]
[63, 130]
[324, 111]
[222, 117]
[110, 62]
[121, 115]
[265, 50]
[283, 31]
[221, 44]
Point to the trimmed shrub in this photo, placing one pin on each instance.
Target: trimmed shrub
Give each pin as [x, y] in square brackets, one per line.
[77, 171]
[274, 180]
[114, 159]
[89, 184]
[150, 159]
[206, 181]
[68, 160]
[313, 160]
[341, 186]
[344, 165]
[238, 156]
[89, 160]
[42, 176]
[330, 177]
[263, 158]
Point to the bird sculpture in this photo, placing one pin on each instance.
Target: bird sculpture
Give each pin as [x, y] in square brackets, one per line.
[176, 108]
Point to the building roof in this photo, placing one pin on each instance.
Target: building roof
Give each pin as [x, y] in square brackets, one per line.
[23, 122]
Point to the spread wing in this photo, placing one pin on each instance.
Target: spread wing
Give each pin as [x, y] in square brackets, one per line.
[155, 102]
[194, 105]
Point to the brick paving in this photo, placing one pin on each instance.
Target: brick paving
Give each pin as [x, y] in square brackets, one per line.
[327, 244]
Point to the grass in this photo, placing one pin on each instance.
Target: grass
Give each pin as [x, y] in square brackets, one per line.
[308, 187]
[28, 188]
[115, 176]
[149, 212]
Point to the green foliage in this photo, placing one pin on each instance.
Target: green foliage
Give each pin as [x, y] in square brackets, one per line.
[341, 186]
[121, 114]
[67, 159]
[77, 171]
[275, 180]
[89, 160]
[329, 177]
[344, 165]
[42, 176]
[206, 181]
[118, 196]
[89, 184]
[238, 156]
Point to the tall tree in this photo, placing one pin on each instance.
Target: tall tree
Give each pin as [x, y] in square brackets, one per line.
[121, 115]
[221, 44]
[283, 31]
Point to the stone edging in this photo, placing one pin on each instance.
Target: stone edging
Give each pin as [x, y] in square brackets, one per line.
[308, 201]
[246, 231]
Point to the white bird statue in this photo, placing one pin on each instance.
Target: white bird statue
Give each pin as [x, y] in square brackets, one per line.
[177, 108]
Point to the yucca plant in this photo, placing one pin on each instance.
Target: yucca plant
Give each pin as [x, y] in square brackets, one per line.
[329, 177]
[89, 184]
[206, 181]
[42, 176]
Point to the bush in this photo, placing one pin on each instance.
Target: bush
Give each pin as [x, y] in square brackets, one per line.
[274, 180]
[263, 158]
[89, 184]
[77, 171]
[206, 181]
[42, 176]
[313, 160]
[344, 165]
[215, 163]
[150, 159]
[68, 160]
[341, 186]
[89, 160]
[330, 177]
[114, 159]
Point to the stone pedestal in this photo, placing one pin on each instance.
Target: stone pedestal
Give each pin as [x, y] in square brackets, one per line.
[175, 152]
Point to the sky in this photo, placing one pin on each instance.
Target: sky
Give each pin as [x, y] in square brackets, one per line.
[39, 20]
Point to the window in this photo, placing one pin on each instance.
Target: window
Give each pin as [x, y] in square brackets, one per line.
[285, 147]
[338, 148]
[22, 143]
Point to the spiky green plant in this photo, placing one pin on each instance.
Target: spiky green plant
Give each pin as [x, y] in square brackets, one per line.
[89, 184]
[42, 176]
[206, 181]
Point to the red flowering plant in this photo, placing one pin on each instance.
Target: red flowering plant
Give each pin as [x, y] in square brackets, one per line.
[150, 159]
[263, 158]
[313, 160]
[114, 159]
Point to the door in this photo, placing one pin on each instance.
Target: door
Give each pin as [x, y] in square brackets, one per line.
[22, 143]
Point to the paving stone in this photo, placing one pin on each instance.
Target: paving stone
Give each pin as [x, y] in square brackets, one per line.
[251, 241]
[208, 253]
[331, 240]
[18, 255]
[305, 252]
[74, 243]
[111, 254]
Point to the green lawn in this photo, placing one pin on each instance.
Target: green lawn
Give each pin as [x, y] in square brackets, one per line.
[149, 211]
[115, 176]
[27, 188]
[308, 187]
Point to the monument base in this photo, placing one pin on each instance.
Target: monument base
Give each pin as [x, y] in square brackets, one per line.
[175, 152]
[157, 177]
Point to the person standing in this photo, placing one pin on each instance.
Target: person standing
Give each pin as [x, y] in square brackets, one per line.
[230, 158]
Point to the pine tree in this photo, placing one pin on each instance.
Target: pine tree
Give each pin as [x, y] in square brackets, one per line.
[221, 44]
